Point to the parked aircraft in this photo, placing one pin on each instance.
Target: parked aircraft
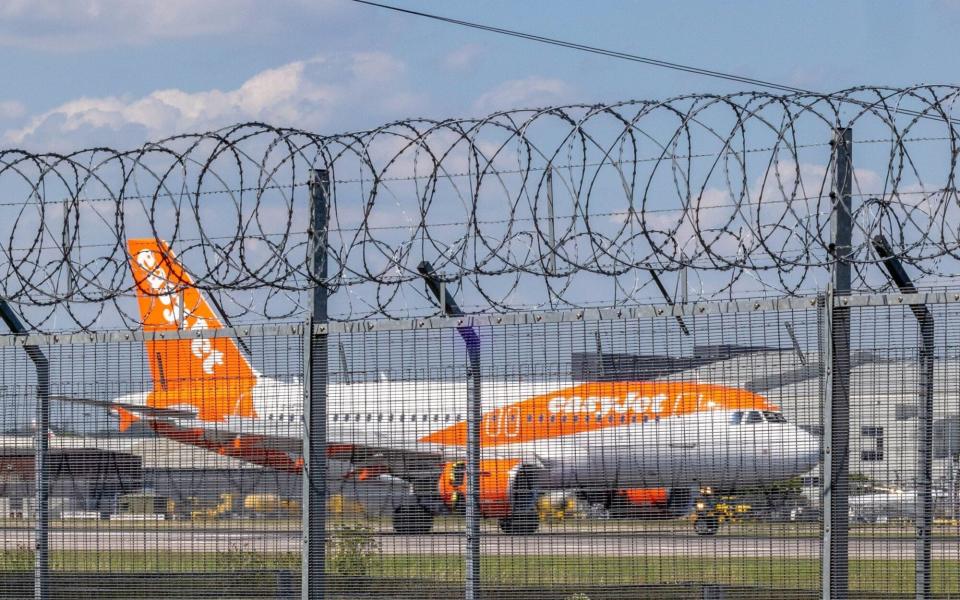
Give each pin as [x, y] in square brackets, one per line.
[654, 442]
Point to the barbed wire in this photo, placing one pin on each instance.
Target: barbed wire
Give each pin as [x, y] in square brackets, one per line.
[553, 207]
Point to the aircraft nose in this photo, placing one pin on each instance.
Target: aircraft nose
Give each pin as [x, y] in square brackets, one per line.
[798, 452]
[807, 448]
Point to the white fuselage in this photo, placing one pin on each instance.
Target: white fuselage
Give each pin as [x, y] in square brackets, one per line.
[704, 448]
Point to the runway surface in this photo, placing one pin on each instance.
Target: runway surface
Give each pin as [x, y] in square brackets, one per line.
[596, 544]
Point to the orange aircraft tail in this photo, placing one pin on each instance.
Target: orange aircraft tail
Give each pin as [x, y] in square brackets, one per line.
[209, 374]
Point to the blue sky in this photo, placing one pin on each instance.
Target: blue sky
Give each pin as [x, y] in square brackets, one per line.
[117, 72]
[86, 73]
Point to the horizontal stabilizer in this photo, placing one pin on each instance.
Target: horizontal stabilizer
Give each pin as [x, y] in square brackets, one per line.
[137, 409]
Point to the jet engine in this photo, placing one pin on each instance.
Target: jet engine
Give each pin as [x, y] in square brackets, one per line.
[508, 492]
[652, 503]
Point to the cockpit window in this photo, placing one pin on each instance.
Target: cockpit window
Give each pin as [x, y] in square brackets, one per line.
[774, 417]
[753, 416]
[736, 417]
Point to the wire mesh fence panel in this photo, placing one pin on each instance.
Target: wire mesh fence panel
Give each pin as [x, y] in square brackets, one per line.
[173, 468]
[903, 453]
[18, 385]
[390, 531]
[617, 457]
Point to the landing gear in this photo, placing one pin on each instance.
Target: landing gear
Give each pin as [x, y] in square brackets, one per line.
[524, 518]
[520, 524]
[706, 524]
[410, 518]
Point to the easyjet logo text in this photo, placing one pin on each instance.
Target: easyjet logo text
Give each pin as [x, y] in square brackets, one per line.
[173, 313]
[632, 403]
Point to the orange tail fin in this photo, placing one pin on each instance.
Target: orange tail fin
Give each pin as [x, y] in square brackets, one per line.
[210, 374]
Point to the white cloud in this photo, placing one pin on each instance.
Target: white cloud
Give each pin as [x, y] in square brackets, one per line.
[11, 109]
[329, 92]
[69, 25]
[463, 57]
[530, 92]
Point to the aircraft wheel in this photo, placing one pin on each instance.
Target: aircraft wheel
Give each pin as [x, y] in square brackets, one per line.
[412, 519]
[706, 525]
[521, 524]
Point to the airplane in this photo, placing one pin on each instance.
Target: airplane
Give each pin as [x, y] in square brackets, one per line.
[878, 503]
[656, 442]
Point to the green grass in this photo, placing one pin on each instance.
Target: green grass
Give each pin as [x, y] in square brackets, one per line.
[789, 573]
[878, 576]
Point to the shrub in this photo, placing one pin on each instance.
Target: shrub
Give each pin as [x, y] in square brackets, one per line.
[351, 550]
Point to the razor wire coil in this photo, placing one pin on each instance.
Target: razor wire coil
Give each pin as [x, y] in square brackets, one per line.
[554, 207]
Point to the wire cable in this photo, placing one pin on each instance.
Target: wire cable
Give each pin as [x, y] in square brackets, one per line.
[629, 57]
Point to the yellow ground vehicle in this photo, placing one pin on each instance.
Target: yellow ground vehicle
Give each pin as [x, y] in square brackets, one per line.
[202, 511]
[557, 506]
[711, 512]
[275, 506]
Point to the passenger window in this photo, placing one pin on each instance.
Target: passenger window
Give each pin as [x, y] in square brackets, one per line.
[754, 416]
[736, 417]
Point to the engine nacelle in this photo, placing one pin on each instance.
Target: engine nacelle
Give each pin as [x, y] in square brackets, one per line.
[653, 503]
[504, 485]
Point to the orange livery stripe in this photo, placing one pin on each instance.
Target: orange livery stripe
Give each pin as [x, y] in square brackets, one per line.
[597, 405]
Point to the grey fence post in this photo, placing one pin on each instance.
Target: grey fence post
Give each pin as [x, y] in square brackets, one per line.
[315, 399]
[474, 416]
[835, 471]
[924, 516]
[41, 457]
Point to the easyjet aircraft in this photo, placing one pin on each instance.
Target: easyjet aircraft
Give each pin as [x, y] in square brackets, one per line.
[654, 443]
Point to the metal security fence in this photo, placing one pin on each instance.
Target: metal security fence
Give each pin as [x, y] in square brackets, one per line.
[266, 363]
[631, 452]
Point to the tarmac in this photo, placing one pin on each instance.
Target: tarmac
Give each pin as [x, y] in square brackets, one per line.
[555, 544]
